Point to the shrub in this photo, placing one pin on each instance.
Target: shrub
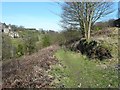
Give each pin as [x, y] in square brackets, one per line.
[71, 34]
[92, 49]
[103, 53]
[39, 45]
[46, 41]
[6, 47]
[30, 42]
[20, 50]
[30, 45]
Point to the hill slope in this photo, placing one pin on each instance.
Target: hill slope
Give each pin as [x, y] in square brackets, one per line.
[30, 71]
[77, 70]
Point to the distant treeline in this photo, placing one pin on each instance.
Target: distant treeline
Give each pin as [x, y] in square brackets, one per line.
[109, 23]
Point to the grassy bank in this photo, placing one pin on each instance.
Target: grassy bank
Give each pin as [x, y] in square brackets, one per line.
[76, 70]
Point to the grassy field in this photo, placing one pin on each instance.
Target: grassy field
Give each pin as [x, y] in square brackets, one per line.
[76, 70]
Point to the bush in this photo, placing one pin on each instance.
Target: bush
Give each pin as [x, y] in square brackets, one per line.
[46, 41]
[6, 47]
[20, 50]
[39, 45]
[30, 45]
[102, 53]
[30, 42]
[97, 28]
[92, 49]
[71, 34]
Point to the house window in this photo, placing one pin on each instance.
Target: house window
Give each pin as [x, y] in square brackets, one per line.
[2, 30]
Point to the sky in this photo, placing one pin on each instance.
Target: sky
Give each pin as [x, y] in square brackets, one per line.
[45, 15]
[32, 15]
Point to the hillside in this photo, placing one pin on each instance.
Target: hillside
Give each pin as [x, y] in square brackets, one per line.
[30, 71]
[109, 37]
[68, 44]
[77, 70]
[56, 66]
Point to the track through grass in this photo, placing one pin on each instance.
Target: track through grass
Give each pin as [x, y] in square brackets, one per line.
[76, 70]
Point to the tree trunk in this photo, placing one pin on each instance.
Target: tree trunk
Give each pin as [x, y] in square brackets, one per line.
[88, 34]
[90, 24]
[89, 30]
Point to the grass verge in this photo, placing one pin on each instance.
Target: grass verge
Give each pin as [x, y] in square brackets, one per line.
[76, 70]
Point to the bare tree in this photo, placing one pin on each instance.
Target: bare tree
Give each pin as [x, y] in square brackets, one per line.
[84, 14]
[119, 9]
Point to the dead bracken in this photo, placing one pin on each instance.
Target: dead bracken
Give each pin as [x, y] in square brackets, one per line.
[30, 71]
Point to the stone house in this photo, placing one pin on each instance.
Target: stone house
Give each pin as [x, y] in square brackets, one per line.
[7, 29]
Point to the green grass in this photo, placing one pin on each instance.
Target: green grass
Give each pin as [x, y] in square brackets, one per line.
[78, 70]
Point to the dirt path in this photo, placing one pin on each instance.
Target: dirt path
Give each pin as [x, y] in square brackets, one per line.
[30, 71]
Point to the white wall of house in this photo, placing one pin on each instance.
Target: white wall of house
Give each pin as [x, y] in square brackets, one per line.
[6, 30]
[13, 34]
